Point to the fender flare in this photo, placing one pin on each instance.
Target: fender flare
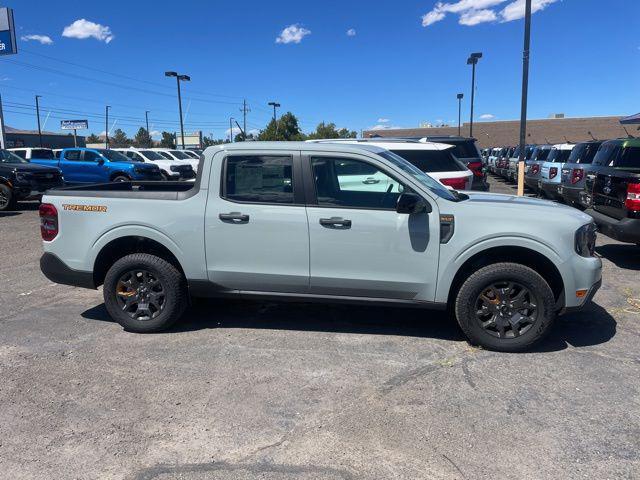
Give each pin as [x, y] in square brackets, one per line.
[119, 173]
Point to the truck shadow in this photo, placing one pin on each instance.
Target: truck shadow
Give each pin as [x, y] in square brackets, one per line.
[592, 326]
[623, 255]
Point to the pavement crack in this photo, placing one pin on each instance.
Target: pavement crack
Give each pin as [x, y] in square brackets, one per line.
[454, 465]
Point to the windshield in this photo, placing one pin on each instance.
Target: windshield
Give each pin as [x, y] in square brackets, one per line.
[8, 157]
[42, 153]
[166, 155]
[465, 149]
[151, 155]
[113, 156]
[418, 175]
[180, 155]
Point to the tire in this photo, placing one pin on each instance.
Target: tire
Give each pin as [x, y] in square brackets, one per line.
[7, 199]
[156, 282]
[121, 178]
[472, 309]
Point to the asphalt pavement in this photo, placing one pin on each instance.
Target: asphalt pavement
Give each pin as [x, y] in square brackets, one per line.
[305, 391]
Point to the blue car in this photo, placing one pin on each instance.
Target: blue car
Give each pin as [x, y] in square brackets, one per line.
[99, 165]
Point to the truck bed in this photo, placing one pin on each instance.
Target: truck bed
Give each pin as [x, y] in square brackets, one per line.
[147, 190]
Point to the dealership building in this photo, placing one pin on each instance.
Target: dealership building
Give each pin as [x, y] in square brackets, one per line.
[29, 138]
[557, 129]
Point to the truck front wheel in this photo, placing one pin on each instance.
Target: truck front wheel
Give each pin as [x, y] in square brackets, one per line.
[144, 293]
[7, 199]
[506, 307]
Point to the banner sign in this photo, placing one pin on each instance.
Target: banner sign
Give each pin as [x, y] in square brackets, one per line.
[8, 45]
[74, 124]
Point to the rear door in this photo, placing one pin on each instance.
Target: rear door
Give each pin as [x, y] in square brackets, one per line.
[359, 245]
[257, 236]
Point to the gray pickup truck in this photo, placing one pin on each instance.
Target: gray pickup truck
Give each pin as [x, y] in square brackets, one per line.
[322, 222]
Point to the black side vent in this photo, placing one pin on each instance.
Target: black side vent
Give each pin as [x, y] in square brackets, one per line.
[447, 227]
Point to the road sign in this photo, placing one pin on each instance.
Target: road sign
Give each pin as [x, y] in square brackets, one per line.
[74, 124]
[8, 45]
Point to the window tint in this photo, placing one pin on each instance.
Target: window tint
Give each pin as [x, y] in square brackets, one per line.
[558, 156]
[72, 155]
[342, 182]
[630, 158]
[607, 153]
[431, 160]
[42, 153]
[112, 155]
[464, 150]
[21, 153]
[90, 156]
[259, 178]
[151, 155]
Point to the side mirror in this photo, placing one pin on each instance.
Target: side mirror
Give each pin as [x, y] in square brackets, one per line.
[100, 161]
[412, 203]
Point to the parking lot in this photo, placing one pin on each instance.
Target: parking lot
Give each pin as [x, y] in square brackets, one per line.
[278, 390]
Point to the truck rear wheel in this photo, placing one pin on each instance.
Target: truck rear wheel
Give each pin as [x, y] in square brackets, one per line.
[7, 199]
[144, 293]
[505, 307]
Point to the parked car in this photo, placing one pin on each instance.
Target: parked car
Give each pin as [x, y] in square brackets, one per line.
[21, 180]
[514, 158]
[170, 169]
[466, 150]
[99, 165]
[29, 154]
[616, 189]
[192, 154]
[274, 220]
[533, 167]
[179, 155]
[435, 159]
[503, 162]
[493, 158]
[551, 170]
[574, 172]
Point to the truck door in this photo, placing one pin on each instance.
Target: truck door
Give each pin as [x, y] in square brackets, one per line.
[359, 245]
[256, 231]
[81, 166]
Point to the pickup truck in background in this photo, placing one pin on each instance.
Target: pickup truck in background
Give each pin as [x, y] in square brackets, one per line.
[284, 220]
[21, 180]
[615, 194]
[99, 165]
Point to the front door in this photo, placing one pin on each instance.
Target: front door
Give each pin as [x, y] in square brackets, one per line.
[359, 245]
[257, 238]
[81, 166]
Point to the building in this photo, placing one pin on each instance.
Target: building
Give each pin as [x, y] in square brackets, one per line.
[29, 138]
[548, 130]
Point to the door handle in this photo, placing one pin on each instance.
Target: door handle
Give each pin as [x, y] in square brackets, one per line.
[335, 222]
[233, 217]
[370, 181]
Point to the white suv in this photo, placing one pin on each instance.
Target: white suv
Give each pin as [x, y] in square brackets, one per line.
[179, 155]
[435, 159]
[170, 169]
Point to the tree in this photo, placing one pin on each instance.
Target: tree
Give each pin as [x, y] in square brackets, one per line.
[168, 140]
[120, 139]
[93, 138]
[285, 128]
[209, 141]
[328, 130]
[142, 138]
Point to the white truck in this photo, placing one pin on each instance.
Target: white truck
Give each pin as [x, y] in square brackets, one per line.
[295, 220]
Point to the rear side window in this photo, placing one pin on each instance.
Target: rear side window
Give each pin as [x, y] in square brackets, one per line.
[630, 158]
[259, 178]
[431, 160]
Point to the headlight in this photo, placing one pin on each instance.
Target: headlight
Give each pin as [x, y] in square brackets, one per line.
[585, 243]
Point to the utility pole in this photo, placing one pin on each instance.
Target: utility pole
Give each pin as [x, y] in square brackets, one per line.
[146, 118]
[38, 115]
[473, 61]
[525, 92]
[179, 78]
[245, 109]
[230, 129]
[460, 97]
[106, 127]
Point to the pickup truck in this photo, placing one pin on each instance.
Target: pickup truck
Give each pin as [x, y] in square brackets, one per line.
[20, 180]
[285, 220]
[99, 165]
[615, 195]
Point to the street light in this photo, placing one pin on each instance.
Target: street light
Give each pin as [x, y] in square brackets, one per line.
[473, 60]
[525, 92]
[460, 96]
[106, 126]
[184, 78]
[38, 115]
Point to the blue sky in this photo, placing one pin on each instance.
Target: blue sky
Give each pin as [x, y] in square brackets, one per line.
[357, 64]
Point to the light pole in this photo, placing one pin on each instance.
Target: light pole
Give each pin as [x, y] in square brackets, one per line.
[230, 129]
[106, 126]
[525, 92]
[473, 60]
[146, 118]
[38, 115]
[184, 78]
[274, 105]
[460, 96]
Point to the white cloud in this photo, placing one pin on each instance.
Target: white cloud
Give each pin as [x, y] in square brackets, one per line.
[474, 12]
[292, 34]
[157, 134]
[487, 116]
[82, 29]
[382, 127]
[43, 39]
[383, 120]
[237, 131]
[351, 32]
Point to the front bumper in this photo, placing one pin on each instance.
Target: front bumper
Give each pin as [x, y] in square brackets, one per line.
[59, 272]
[624, 230]
[588, 298]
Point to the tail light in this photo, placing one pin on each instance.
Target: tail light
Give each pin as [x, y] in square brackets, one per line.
[476, 168]
[455, 183]
[48, 222]
[633, 197]
[576, 175]
[535, 169]
[553, 171]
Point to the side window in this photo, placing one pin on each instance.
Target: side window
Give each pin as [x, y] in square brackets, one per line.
[259, 178]
[348, 183]
[72, 155]
[21, 153]
[630, 158]
[90, 156]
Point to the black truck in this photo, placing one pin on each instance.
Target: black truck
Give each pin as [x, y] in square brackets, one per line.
[615, 189]
[21, 180]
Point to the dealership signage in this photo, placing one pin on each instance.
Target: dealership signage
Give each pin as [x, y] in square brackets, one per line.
[8, 43]
[74, 124]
